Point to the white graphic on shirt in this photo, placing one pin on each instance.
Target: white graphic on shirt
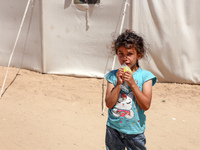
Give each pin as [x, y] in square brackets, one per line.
[123, 107]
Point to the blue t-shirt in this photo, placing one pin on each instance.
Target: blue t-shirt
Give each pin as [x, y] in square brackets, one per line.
[127, 116]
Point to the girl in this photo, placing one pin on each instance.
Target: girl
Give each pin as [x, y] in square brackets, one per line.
[126, 118]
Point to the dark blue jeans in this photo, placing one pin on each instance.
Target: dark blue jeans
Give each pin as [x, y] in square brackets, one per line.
[116, 140]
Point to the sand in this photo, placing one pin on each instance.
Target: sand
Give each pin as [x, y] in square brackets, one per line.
[53, 112]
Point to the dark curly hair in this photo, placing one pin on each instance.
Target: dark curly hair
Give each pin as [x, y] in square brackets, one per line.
[129, 39]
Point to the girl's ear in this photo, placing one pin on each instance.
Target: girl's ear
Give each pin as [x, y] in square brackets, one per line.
[139, 56]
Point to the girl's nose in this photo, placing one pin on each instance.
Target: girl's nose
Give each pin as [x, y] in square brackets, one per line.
[124, 57]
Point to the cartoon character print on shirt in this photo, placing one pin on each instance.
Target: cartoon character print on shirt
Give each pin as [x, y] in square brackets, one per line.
[123, 107]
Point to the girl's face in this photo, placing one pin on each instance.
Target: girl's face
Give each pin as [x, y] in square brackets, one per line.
[128, 56]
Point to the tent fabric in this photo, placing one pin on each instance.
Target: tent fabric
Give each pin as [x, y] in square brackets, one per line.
[172, 30]
[28, 52]
[61, 37]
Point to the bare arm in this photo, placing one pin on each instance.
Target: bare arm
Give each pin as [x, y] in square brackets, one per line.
[143, 98]
[112, 92]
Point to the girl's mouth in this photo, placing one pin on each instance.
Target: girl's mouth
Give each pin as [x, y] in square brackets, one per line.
[127, 64]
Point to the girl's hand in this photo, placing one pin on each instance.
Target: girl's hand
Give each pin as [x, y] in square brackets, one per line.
[120, 74]
[128, 77]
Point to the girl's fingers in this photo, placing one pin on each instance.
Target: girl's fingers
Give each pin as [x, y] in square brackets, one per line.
[120, 72]
[128, 77]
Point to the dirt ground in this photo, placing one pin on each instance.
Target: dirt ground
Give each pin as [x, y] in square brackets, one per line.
[52, 112]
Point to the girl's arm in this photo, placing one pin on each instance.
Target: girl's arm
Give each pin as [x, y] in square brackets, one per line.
[112, 92]
[143, 98]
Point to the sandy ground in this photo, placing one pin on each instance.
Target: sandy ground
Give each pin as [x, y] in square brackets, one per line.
[51, 112]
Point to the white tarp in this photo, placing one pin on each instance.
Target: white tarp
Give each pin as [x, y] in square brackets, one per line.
[171, 28]
[28, 52]
[60, 37]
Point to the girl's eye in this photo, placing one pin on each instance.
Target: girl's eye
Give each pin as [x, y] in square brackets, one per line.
[129, 54]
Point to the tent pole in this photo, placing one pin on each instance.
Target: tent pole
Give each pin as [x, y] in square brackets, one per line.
[22, 22]
[121, 27]
[113, 65]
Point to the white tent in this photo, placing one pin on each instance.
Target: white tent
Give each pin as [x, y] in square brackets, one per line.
[61, 37]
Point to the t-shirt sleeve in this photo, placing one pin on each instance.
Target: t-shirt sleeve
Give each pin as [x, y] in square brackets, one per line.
[150, 76]
[111, 77]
